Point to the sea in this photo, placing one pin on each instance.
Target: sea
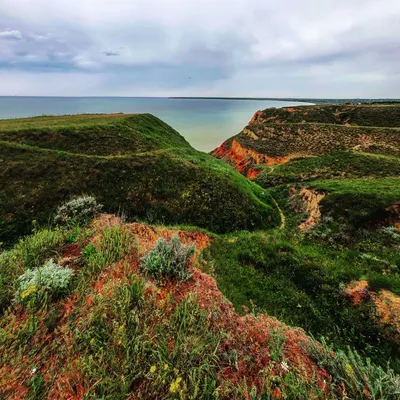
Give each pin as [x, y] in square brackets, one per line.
[205, 123]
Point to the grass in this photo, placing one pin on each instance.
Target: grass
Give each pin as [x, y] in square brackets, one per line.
[180, 187]
[359, 201]
[29, 253]
[301, 284]
[362, 115]
[117, 334]
[337, 165]
[317, 139]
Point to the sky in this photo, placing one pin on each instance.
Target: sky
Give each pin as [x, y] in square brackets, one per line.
[260, 48]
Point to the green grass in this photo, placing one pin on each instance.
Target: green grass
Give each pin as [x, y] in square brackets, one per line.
[361, 115]
[102, 135]
[338, 165]
[183, 186]
[301, 284]
[359, 201]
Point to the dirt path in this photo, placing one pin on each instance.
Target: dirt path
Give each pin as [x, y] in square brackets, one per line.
[282, 215]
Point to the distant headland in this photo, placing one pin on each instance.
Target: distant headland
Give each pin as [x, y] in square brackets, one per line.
[301, 100]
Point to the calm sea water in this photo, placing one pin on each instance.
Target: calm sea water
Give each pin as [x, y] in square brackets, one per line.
[204, 123]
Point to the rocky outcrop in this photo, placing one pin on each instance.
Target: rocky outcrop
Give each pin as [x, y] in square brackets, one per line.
[245, 159]
[306, 201]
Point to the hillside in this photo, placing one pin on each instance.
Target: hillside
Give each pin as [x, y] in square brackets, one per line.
[334, 172]
[190, 281]
[116, 331]
[133, 164]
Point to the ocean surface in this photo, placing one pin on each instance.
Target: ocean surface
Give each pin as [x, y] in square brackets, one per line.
[205, 123]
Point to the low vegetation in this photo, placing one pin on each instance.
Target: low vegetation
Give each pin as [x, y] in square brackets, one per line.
[98, 306]
[168, 260]
[48, 280]
[77, 211]
[104, 330]
[159, 177]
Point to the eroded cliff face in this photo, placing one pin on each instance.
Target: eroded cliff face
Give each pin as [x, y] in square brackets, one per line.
[306, 201]
[245, 160]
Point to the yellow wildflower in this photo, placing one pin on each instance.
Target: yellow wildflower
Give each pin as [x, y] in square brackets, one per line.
[153, 369]
[165, 367]
[31, 289]
[174, 387]
[349, 369]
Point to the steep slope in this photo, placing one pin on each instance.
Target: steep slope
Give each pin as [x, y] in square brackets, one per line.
[117, 333]
[277, 136]
[134, 164]
[334, 172]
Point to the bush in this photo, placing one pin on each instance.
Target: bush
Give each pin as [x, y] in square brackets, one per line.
[50, 279]
[78, 211]
[30, 252]
[168, 260]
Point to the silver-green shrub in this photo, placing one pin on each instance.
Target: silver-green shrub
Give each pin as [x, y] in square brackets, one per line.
[78, 211]
[168, 260]
[50, 279]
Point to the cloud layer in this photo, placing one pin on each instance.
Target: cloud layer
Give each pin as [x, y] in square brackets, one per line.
[296, 48]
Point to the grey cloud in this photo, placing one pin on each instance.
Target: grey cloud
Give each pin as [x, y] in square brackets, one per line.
[111, 53]
[11, 35]
[246, 47]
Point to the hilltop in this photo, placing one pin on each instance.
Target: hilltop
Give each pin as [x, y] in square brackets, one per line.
[133, 164]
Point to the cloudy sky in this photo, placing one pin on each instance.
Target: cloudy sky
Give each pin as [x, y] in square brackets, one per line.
[296, 48]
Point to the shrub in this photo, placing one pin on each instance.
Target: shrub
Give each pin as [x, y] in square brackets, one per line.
[30, 252]
[78, 211]
[50, 279]
[168, 259]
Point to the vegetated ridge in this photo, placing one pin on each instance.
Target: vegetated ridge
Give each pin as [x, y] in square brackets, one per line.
[135, 164]
[335, 173]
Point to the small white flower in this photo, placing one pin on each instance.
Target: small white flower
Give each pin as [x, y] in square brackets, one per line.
[285, 366]
[33, 371]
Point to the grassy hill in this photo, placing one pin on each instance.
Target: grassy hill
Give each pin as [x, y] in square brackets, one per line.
[135, 164]
[334, 171]
[112, 327]
[360, 115]
[99, 306]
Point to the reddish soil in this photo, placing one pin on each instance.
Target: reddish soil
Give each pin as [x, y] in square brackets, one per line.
[386, 304]
[306, 201]
[247, 336]
[244, 159]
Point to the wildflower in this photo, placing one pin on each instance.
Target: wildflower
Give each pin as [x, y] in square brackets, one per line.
[33, 371]
[174, 387]
[349, 369]
[285, 366]
[153, 369]
[165, 367]
[31, 289]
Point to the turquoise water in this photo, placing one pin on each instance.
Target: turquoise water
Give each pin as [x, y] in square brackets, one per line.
[204, 123]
